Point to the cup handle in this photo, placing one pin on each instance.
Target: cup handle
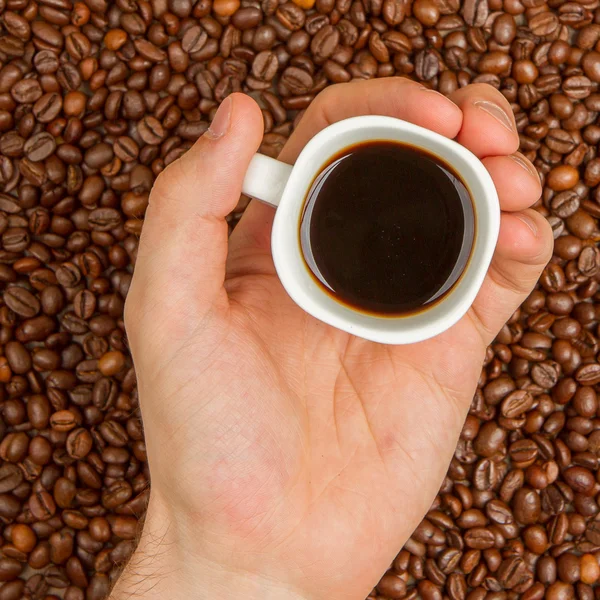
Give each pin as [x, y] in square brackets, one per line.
[266, 179]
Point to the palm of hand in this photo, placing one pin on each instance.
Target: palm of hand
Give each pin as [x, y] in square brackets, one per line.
[326, 434]
[284, 448]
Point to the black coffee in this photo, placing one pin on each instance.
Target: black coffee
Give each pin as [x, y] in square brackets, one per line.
[387, 228]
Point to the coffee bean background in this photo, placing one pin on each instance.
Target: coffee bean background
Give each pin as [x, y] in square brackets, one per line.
[97, 97]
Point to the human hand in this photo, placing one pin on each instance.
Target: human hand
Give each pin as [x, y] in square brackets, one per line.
[290, 459]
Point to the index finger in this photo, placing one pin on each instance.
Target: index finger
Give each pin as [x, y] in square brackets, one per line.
[395, 97]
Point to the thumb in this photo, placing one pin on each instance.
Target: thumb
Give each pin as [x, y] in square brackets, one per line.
[180, 267]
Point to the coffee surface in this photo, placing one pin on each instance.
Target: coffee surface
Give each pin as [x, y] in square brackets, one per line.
[387, 228]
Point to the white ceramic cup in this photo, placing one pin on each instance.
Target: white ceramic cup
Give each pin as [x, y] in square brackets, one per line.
[286, 187]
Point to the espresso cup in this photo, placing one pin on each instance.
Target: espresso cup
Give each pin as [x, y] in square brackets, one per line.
[285, 187]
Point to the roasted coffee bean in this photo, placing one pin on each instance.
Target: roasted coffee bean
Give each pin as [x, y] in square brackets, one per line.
[42, 506]
[9, 569]
[151, 130]
[516, 404]
[104, 219]
[68, 275]
[21, 301]
[10, 478]
[26, 91]
[14, 446]
[265, 65]
[61, 547]
[39, 147]
[489, 439]
[194, 39]
[48, 107]
[23, 538]
[116, 495]
[297, 80]
[64, 492]
[392, 586]
[326, 40]
[18, 357]
[79, 443]
[479, 538]
[475, 12]
[526, 506]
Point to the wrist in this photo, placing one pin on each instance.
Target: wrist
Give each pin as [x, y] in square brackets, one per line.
[165, 565]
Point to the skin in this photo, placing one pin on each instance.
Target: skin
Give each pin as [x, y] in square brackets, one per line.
[290, 459]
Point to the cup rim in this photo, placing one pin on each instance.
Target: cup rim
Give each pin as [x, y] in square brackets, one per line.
[401, 329]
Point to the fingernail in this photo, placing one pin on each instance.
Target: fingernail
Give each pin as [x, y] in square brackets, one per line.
[220, 124]
[432, 91]
[526, 165]
[529, 222]
[498, 113]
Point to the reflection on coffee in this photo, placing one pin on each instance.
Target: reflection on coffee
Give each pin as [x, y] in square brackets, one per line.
[387, 228]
